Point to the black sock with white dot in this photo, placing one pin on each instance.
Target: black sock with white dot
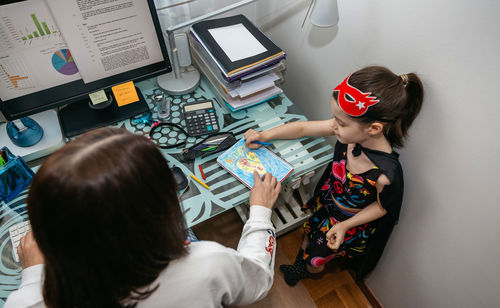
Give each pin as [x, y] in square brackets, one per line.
[293, 273]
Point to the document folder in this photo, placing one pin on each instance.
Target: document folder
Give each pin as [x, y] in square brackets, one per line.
[236, 45]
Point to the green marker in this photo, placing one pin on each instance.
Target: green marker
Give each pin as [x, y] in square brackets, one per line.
[209, 148]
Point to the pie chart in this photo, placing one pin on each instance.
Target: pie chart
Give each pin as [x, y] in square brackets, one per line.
[63, 62]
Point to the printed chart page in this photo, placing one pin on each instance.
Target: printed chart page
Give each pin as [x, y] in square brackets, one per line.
[33, 54]
[107, 37]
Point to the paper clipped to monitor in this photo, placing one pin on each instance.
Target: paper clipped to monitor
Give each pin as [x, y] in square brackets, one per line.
[241, 162]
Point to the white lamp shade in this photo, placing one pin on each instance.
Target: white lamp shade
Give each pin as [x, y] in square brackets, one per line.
[325, 13]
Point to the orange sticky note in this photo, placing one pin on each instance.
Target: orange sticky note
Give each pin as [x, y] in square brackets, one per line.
[125, 93]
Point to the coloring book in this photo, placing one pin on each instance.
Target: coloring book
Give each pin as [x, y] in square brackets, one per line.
[241, 163]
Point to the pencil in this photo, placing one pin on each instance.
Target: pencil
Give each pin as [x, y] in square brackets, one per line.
[199, 181]
[202, 173]
[263, 143]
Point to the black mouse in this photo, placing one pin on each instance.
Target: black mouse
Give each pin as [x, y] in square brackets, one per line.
[180, 178]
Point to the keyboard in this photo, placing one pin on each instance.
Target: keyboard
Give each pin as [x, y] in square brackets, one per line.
[16, 233]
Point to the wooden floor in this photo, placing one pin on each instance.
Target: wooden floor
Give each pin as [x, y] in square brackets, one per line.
[335, 288]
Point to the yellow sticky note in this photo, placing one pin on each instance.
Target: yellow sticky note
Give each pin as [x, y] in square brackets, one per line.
[125, 93]
[98, 97]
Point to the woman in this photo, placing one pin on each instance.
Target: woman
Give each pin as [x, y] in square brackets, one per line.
[105, 215]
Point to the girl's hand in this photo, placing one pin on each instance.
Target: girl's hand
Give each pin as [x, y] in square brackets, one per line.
[335, 236]
[28, 251]
[253, 135]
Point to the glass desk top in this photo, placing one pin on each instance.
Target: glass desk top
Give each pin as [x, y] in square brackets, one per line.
[198, 203]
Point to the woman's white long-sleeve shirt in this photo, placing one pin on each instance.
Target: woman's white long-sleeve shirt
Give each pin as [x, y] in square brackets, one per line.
[210, 275]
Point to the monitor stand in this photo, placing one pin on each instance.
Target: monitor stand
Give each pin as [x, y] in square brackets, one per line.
[52, 137]
[79, 117]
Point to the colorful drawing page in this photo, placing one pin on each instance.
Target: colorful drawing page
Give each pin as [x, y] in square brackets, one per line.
[241, 162]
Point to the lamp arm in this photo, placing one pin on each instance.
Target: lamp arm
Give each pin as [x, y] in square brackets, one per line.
[170, 31]
[175, 55]
[211, 14]
[173, 5]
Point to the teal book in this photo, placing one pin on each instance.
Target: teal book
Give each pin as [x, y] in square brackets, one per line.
[241, 162]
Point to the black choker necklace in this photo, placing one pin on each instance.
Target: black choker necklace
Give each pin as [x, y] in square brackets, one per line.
[357, 150]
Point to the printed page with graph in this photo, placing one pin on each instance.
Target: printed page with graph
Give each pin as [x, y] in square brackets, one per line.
[33, 54]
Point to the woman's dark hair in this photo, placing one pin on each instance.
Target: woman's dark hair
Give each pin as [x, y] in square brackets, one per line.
[105, 214]
[400, 99]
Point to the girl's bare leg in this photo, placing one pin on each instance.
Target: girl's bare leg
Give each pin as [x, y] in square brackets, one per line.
[304, 242]
[314, 270]
[311, 269]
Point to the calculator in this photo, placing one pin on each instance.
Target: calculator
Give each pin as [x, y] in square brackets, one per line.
[200, 118]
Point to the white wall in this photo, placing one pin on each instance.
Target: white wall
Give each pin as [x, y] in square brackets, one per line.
[444, 251]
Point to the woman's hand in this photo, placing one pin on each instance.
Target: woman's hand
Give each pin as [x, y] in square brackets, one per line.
[253, 135]
[335, 236]
[265, 191]
[28, 251]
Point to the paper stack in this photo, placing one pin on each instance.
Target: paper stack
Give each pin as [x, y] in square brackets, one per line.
[243, 64]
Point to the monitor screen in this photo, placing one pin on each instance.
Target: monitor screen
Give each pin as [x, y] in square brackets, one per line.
[57, 52]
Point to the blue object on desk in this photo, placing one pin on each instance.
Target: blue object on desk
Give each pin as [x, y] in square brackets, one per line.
[27, 135]
[262, 143]
[15, 176]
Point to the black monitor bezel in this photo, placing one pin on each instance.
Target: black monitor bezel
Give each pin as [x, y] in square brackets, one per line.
[59, 95]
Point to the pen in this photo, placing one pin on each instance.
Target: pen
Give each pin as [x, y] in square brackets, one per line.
[263, 143]
[199, 181]
[202, 173]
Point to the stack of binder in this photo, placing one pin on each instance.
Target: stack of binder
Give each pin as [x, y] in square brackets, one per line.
[243, 64]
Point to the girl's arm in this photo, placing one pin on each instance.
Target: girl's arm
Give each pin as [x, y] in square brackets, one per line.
[335, 236]
[291, 130]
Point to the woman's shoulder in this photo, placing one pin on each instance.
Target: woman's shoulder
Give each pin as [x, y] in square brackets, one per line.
[201, 258]
[205, 247]
[208, 251]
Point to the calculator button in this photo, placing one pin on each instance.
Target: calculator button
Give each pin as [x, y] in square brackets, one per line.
[209, 128]
[215, 127]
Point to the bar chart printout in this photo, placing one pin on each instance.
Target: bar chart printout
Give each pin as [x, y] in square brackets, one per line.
[42, 29]
[33, 54]
[14, 76]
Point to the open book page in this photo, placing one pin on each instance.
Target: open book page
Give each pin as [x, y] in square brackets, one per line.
[241, 162]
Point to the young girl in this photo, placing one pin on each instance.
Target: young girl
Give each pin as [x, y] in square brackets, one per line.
[357, 200]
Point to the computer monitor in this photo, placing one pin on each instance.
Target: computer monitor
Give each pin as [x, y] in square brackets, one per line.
[57, 52]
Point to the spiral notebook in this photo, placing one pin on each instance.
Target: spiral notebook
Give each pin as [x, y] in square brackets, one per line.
[241, 163]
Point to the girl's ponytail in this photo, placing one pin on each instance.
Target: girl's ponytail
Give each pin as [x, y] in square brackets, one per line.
[400, 99]
[413, 103]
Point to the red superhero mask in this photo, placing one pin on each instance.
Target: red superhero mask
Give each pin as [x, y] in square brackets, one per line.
[352, 101]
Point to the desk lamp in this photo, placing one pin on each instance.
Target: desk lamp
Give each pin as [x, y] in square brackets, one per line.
[324, 14]
[181, 82]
